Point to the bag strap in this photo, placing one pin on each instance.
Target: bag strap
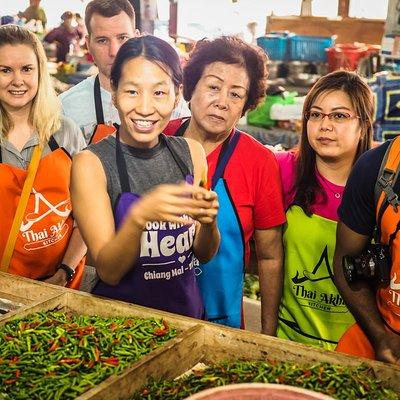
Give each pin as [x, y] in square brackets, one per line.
[384, 195]
[19, 213]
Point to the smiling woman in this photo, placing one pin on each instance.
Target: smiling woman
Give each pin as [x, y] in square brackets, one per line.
[146, 224]
[36, 242]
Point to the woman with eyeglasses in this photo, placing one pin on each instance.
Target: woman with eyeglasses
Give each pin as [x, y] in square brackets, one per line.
[336, 130]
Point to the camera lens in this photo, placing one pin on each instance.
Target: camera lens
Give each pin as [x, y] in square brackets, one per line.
[349, 269]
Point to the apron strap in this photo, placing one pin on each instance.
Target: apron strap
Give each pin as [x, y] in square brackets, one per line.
[182, 129]
[181, 164]
[53, 144]
[97, 101]
[21, 208]
[228, 147]
[121, 166]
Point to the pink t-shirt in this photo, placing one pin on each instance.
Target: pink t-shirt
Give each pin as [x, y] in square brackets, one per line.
[324, 208]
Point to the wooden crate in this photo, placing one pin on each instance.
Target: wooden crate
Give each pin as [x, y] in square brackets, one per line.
[171, 359]
[197, 342]
[19, 292]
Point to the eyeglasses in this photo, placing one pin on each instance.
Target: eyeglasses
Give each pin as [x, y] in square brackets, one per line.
[339, 117]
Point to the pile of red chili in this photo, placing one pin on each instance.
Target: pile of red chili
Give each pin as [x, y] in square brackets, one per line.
[53, 355]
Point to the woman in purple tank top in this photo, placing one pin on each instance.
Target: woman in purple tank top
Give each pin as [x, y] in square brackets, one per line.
[143, 247]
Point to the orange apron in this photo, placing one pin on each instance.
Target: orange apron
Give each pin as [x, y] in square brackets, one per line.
[102, 130]
[47, 224]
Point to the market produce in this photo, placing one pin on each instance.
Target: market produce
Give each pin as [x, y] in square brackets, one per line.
[252, 287]
[340, 382]
[54, 355]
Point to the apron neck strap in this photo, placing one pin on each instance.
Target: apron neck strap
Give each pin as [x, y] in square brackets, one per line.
[97, 102]
[182, 129]
[228, 147]
[121, 166]
[181, 164]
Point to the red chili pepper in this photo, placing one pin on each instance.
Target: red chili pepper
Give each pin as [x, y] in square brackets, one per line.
[281, 379]
[307, 373]
[14, 359]
[111, 360]
[10, 381]
[63, 339]
[162, 331]
[53, 347]
[113, 326]
[90, 364]
[17, 373]
[8, 338]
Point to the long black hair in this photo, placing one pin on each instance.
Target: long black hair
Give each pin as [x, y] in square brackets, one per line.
[306, 185]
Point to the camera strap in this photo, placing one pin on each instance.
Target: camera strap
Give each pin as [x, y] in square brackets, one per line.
[384, 192]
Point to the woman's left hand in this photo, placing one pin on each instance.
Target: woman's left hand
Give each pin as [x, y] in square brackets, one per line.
[206, 214]
[59, 278]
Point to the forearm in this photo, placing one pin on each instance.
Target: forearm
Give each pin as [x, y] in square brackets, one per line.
[76, 249]
[270, 273]
[117, 257]
[206, 242]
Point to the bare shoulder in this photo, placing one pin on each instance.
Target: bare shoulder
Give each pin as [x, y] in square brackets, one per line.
[198, 158]
[196, 149]
[87, 167]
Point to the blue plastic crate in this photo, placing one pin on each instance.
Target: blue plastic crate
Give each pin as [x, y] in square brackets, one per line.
[275, 45]
[309, 48]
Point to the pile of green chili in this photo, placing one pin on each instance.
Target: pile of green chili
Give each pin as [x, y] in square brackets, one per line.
[53, 355]
[347, 383]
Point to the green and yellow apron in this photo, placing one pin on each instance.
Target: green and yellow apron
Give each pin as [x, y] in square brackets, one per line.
[312, 310]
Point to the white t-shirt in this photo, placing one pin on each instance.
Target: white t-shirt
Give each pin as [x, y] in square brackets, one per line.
[78, 104]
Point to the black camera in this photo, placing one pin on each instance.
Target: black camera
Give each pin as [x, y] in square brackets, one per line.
[374, 263]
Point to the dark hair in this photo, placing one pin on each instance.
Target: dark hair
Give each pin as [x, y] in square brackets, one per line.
[306, 185]
[108, 8]
[229, 50]
[152, 49]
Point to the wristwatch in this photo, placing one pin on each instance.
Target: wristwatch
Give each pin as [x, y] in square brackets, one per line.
[68, 270]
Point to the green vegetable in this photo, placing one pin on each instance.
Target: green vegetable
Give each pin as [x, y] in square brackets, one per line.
[252, 287]
[55, 355]
[334, 380]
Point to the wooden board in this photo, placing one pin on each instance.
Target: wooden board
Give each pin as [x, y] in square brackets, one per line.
[22, 292]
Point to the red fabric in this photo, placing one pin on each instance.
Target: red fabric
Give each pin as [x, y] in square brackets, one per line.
[102, 131]
[355, 343]
[253, 179]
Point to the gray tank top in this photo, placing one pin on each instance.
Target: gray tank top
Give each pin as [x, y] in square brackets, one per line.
[146, 168]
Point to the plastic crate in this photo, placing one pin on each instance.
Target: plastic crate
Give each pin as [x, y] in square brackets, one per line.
[275, 45]
[346, 56]
[309, 48]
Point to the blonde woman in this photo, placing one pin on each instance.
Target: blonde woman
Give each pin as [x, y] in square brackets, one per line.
[44, 244]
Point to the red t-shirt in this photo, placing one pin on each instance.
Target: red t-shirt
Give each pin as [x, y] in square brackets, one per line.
[252, 177]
